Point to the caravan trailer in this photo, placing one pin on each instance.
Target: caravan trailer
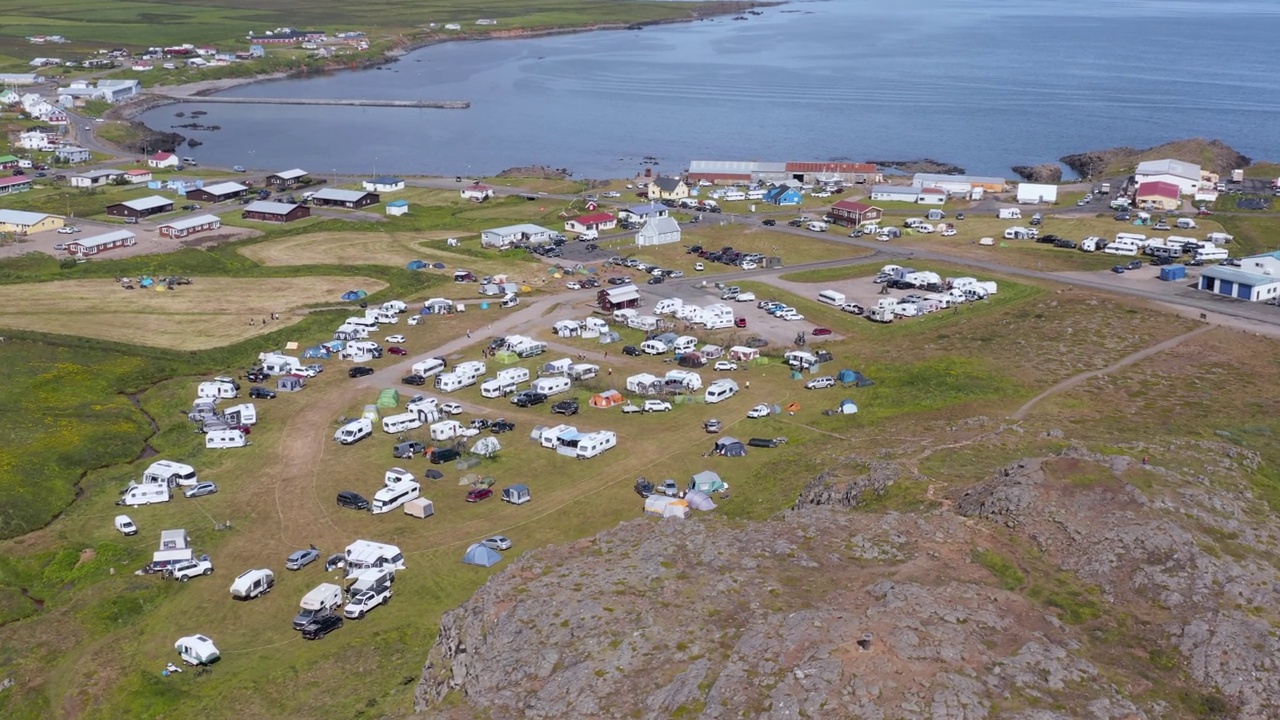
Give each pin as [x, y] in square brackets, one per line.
[667, 306]
[593, 444]
[390, 498]
[252, 583]
[428, 367]
[472, 368]
[242, 414]
[515, 374]
[220, 439]
[721, 390]
[144, 494]
[215, 389]
[497, 387]
[393, 424]
[170, 473]
[831, 297]
[550, 385]
[450, 382]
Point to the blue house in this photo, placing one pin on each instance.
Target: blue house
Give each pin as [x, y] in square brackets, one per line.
[783, 195]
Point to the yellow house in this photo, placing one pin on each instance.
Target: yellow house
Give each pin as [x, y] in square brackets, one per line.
[668, 188]
[27, 223]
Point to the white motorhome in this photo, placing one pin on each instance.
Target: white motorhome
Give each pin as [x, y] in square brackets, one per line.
[474, 368]
[497, 387]
[354, 431]
[393, 424]
[509, 300]
[252, 583]
[684, 344]
[666, 306]
[550, 385]
[831, 297]
[367, 323]
[170, 473]
[144, 494]
[220, 439]
[428, 367]
[395, 476]
[817, 226]
[242, 414]
[215, 389]
[446, 430]
[390, 498]
[1009, 214]
[451, 382]
[592, 444]
[325, 598]
[720, 390]
[365, 554]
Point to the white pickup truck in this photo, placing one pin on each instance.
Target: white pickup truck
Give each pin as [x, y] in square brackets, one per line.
[367, 600]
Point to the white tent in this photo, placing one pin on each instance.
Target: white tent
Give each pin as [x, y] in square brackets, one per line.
[699, 501]
[486, 446]
[663, 506]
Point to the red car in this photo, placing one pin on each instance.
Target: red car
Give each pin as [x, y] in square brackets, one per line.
[478, 494]
[740, 322]
[396, 350]
[820, 331]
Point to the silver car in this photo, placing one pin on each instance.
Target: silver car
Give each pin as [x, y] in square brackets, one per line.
[819, 383]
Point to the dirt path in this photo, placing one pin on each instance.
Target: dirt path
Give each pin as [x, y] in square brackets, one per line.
[1119, 364]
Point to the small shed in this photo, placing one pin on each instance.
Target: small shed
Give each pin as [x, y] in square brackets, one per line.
[480, 555]
[1170, 273]
[420, 508]
[516, 494]
[398, 207]
[290, 383]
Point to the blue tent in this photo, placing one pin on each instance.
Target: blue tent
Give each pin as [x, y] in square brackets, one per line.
[855, 378]
[480, 555]
[354, 295]
[416, 264]
[318, 351]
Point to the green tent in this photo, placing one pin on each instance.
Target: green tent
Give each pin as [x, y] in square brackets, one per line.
[389, 398]
[506, 357]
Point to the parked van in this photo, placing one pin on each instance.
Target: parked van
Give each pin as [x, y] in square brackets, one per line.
[497, 388]
[550, 385]
[719, 390]
[450, 382]
[393, 424]
[215, 389]
[144, 494]
[509, 300]
[354, 431]
[390, 498]
[440, 456]
[219, 439]
[831, 297]
[1009, 214]
[428, 367]
[592, 444]
[817, 226]
[473, 368]
[126, 525]
[252, 583]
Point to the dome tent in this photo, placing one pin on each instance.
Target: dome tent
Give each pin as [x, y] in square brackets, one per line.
[480, 555]
[416, 265]
[352, 295]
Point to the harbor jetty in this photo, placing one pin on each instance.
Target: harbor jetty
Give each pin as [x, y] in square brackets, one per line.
[215, 99]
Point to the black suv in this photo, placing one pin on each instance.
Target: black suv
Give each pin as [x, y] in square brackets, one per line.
[529, 398]
[631, 350]
[565, 407]
[413, 380]
[770, 222]
[256, 376]
[501, 425]
[321, 626]
[359, 371]
[257, 391]
[353, 500]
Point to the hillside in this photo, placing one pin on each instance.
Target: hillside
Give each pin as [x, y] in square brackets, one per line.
[1212, 155]
[1074, 585]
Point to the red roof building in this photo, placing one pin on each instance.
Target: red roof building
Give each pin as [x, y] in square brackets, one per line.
[595, 222]
[1158, 188]
[851, 213]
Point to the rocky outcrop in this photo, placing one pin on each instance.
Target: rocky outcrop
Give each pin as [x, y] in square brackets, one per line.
[1043, 173]
[831, 489]
[922, 165]
[544, 172]
[1211, 155]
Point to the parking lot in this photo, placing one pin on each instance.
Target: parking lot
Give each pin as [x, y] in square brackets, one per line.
[149, 241]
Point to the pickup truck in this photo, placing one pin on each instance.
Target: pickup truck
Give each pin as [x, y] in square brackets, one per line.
[193, 568]
[366, 601]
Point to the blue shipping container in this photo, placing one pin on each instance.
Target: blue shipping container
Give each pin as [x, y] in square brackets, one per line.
[1173, 272]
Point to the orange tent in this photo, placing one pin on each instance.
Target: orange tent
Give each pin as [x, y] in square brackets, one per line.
[607, 399]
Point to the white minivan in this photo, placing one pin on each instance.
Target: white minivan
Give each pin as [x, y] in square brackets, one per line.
[354, 431]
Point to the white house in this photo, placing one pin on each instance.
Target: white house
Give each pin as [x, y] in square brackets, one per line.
[642, 213]
[34, 140]
[95, 178]
[1037, 193]
[1256, 279]
[73, 154]
[477, 192]
[931, 196]
[593, 222]
[163, 160]
[659, 231]
[506, 236]
[895, 193]
[1185, 175]
[383, 184]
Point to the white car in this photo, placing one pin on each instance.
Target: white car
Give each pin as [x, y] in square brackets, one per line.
[699, 267]
[611, 194]
[819, 383]
[758, 411]
[395, 339]
[629, 408]
[725, 365]
[184, 571]
[748, 265]
[451, 408]
[791, 316]
[366, 601]
[573, 285]
[657, 406]
[821, 194]
[949, 232]
[65, 231]
[675, 274]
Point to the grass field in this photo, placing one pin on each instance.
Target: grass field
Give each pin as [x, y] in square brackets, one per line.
[210, 313]
[364, 248]
[793, 249]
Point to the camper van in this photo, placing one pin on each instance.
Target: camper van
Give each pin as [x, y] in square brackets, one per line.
[428, 367]
[831, 297]
[393, 424]
[497, 388]
[550, 385]
[451, 382]
[363, 322]
[242, 414]
[390, 498]
[144, 494]
[354, 431]
[170, 473]
[473, 368]
[509, 300]
[592, 444]
[218, 439]
[666, 306]
[215, 389]
[395, 477]
[516, 374]
[252, 583]
[720, 390]
[1009, 214]
[321, 601]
